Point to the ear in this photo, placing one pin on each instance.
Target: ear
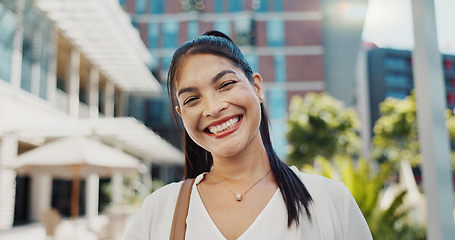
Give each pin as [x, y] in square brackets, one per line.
[177, 109]
[258, 86]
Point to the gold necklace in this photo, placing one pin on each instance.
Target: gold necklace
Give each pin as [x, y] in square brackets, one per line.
[238, 196]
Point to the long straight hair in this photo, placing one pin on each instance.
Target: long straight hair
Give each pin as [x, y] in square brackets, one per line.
[199, 160]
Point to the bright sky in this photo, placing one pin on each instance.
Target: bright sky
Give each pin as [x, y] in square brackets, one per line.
[389, 24]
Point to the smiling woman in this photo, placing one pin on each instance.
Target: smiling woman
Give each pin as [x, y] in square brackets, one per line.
[242, 190]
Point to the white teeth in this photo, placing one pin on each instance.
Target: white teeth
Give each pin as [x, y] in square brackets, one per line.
[224, 126]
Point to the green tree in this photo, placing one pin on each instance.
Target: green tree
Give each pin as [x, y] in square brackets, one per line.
[367, 185]
[319, 125]
[395, 132]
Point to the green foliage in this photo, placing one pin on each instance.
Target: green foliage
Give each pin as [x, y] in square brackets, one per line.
[320, 125]
[366, 185]
[395, 132]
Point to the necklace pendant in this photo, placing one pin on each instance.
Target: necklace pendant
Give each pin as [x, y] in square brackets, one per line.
[239, 197]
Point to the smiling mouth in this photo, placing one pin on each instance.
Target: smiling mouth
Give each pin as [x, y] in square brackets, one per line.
[223, 127]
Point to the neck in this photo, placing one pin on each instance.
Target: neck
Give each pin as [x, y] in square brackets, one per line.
[245, 165]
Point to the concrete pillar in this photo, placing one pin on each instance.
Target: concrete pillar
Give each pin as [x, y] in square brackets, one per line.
[92, 199]
[117, 188]
[16, 55]
[74, 83]
[363, 101]
[147, 176]
[93, 97]
[433, 136]
[117, 181]
[8, 155]
[109, 91]
[40, 196]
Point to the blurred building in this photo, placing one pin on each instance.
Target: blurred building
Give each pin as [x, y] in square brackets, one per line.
[70, 68]
[390, 75]
[281, 39]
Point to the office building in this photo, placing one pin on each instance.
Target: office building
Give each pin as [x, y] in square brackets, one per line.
[390, 75]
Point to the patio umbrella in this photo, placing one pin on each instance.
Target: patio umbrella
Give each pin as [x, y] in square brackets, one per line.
[75, 158]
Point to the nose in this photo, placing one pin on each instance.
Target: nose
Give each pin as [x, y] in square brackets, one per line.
[213, 106]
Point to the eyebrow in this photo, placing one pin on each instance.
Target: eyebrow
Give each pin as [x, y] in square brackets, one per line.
[214, 80]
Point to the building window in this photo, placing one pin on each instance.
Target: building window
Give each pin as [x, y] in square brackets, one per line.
[45, 56]
[7, 27]
[448, 64]
[280, 68]
[218, 6]
[193, 30]
[450, 98]
[156, 6]
[397, 80]
[192, 5]
[136, 106]
[165, 64]
[170, 34]
[223, 26]
[30, 50]
[397, 63]
[278, 102]
[275, 33]
[140, 6]
[279, 136]
[278, 5]
[244, 32]
[252, 60]
[235, 5]
[260, 5]
[153, 35]
[395, 93]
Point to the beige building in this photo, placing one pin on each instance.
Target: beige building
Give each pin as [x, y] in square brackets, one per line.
[68, 68]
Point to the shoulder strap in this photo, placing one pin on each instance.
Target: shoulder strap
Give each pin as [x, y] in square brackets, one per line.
[181, 211]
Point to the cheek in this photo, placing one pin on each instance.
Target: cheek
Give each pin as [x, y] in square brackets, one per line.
[189, 122]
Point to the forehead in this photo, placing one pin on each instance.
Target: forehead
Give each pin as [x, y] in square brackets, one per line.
[202, 66]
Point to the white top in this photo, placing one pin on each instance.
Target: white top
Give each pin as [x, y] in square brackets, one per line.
[334, 212]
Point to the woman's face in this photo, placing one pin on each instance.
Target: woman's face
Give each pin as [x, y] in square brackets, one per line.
[220, 108]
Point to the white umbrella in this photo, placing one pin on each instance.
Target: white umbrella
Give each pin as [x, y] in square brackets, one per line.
[76, 157]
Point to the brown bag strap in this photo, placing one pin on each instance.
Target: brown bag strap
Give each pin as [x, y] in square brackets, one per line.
[181, 211]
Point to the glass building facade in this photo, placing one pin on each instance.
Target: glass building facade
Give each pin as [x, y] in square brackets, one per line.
[390, 75]
[36, 47]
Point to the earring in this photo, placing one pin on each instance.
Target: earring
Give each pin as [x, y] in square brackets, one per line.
[261, 97]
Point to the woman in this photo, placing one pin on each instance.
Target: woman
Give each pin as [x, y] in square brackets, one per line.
[242, 189]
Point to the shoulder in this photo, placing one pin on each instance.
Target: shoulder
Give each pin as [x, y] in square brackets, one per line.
[319, 185]
[334, 205]
[167, 191]
[162, 200]
[154, 218]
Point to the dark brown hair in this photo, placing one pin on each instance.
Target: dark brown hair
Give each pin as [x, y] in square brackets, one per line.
[199, 160]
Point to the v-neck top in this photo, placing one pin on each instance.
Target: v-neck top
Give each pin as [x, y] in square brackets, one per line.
[334, 215]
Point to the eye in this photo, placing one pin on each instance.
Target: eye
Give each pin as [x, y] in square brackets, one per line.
[227, 84]
[189, 100]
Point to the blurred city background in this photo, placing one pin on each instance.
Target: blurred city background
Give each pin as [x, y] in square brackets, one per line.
[86, 130]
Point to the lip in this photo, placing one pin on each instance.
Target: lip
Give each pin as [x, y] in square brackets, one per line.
[227, 132]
